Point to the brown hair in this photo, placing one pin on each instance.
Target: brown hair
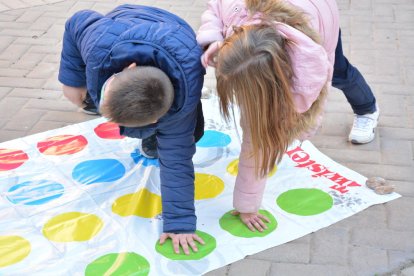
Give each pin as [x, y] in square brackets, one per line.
[138, 96]
[254, 71]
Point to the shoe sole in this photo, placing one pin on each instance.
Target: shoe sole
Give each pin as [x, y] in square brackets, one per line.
[356, 142]
[89, 112]
[359, 142]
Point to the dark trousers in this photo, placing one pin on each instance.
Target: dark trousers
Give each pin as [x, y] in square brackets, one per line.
[150, 144]
[199, 129]
[348, 79]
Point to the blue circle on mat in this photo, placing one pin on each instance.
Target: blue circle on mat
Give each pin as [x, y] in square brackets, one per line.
[146, 162]
[97, 171]
[35, 192]
[213, 138]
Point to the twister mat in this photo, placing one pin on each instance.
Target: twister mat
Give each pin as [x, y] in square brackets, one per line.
[82, 200]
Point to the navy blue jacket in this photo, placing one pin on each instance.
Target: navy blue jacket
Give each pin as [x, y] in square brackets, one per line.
[95, 46]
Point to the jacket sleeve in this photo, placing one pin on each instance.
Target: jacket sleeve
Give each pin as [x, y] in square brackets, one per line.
[211, 24]
[176, 148]
[72, 65]
[248, 190]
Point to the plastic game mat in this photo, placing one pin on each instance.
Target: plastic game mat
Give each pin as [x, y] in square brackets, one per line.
[82, 200]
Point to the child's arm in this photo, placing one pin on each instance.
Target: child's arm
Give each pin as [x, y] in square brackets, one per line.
[248, 190]
[210, 34]
[211, 29]
[72, 70]
[176, 148]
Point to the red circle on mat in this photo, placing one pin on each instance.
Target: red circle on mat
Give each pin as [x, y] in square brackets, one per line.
[11, 159]
[62, 144]
[108, 130]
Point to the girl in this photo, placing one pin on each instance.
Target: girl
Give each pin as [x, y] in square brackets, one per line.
[274, 59]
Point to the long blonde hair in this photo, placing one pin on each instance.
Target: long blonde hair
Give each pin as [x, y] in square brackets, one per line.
[254, 71]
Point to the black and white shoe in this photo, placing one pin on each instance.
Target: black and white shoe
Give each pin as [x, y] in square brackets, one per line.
[89, 107]
[149, 147]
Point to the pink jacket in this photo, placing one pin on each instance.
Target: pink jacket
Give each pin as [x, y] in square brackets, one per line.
[217, 22]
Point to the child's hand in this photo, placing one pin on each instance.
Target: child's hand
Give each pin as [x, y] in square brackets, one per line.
[182, 239]
[253, 220]
[208, 58]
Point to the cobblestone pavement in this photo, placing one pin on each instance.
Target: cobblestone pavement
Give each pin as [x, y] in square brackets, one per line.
[378, 37]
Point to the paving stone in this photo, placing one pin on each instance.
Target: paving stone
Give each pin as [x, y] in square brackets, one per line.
[11, 72]
[42, 23]
[10, 106]
[405, 188]
[292, 252]
[249, 267]
[398, 259]
[69, 117]
[396, 152]
[50, 105]
[13, 52]
[4, 64]
[396, 122]
[43, 70]
[368, 260]
[354, 155]
[21, 82]
[384, 238]
[45, 49]
[7, 135]
[45, 125]
[34, 93]
[4, 91]
[16, 4]
[52, 84]
[223, 271]
[24, 119]
[408, 271]
[390, 172]
[306, 269]
[29, 16]
[3, 7]
[397, 133]
[323, 142]
[28, 60]
[20, 32]
[51, 59]
[330, 246]
[335, 125]
[46, 41]
[400, 215]
[5, 42]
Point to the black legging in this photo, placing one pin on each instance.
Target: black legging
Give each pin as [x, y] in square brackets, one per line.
[199, 129]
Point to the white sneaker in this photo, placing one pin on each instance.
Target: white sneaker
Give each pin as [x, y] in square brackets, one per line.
[363, 129]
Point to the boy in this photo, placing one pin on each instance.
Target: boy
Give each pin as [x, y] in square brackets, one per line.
[141, 67]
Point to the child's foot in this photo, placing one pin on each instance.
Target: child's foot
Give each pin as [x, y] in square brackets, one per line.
[149, 148]
[89, 107]
[90, 110]
[363, 129]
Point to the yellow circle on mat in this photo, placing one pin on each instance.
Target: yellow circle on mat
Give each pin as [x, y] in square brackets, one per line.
[142, 204]
[13, 249]
[72, 226]
[233, 168]
[207, 186]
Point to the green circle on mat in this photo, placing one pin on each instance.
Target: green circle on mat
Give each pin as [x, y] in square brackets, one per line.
[203, 250]
[305, 202]
[117, 264]
[236, 227]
